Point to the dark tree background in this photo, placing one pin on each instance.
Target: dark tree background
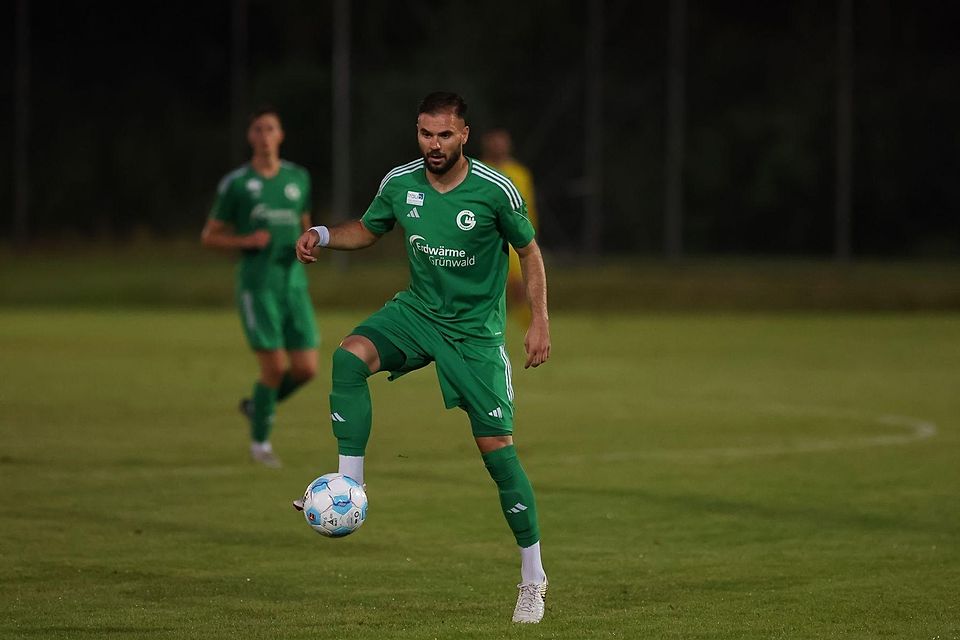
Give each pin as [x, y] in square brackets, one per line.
[130, 113]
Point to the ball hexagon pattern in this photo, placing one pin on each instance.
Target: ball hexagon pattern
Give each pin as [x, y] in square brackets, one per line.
[335, 505]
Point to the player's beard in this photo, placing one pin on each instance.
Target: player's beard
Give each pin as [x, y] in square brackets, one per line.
[442, 169]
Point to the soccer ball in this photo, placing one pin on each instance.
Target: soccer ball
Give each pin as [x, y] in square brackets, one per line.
[334, 505]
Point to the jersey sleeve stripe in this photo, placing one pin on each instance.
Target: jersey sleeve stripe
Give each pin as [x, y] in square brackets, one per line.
[512, 194]
[394, 172]
[410, 167]
[507, 193]
[230, 177]
[502, 177]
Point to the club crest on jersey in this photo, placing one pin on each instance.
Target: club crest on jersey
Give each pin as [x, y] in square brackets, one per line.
[414, 198]
[254, 186]
[466, 220]
[292, 191]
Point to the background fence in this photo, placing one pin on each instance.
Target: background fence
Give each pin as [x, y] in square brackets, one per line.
[761, 128]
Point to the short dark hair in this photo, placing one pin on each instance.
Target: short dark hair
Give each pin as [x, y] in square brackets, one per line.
[265, 110]
[442, 101]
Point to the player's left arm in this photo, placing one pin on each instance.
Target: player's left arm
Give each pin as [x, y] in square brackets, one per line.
[537, 340]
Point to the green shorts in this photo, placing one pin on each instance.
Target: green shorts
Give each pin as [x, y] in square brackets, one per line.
[475, 377]
[277, 319]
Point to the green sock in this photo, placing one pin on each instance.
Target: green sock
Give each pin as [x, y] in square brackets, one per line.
[264, 403]
[350, 410]
[516, 494]
[287, 386]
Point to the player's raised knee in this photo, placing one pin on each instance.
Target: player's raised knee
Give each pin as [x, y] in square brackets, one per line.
[361, 347]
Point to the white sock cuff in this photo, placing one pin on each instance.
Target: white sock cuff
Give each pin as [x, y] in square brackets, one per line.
[352, 467]
[531, 566]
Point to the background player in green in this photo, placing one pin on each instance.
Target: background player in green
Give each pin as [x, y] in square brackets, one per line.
[261, 208]
[458, 217]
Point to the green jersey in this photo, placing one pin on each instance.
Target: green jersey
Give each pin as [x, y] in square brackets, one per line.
[457, 245]
[248, 202]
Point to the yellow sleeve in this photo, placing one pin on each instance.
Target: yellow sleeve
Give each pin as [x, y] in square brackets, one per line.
[523, 180]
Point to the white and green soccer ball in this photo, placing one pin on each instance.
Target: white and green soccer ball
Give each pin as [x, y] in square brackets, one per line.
[335, 505]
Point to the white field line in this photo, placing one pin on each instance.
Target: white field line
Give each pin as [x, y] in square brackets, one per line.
[915, 430]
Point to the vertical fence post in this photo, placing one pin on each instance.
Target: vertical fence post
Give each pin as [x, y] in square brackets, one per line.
[21, 92]
[593, 130]
[676, 112]
[238, 79]
[844, 155]
[340, 137]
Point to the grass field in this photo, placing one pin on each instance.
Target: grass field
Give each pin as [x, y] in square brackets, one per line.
[698, 476]
[179, 274]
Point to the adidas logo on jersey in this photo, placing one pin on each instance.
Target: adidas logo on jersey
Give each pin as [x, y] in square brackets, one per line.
[517, 508]
[336, 417]
[413, 213]
[496, 413]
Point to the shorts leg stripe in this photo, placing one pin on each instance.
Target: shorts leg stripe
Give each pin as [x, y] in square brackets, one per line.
[248, 315]
[508, 371]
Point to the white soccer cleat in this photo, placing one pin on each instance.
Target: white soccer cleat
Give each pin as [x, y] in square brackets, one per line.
[265, 456]
[530, 602]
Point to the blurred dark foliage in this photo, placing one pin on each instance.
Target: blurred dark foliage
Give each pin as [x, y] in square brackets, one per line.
[130, 113]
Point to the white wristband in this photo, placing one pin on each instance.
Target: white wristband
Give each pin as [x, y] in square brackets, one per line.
[324, 234]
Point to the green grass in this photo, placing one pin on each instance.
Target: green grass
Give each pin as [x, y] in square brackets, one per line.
[698, 476]
[182, 274]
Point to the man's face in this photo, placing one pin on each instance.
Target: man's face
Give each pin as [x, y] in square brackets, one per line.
[441, 137]
[265, 135]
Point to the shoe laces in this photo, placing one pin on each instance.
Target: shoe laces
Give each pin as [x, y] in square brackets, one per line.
[529, 597]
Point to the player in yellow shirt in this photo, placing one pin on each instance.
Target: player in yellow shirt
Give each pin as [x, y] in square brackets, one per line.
[497, 151]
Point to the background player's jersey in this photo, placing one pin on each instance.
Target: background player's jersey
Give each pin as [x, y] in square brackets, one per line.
[456, 244]
[522, 179]
[248, 202]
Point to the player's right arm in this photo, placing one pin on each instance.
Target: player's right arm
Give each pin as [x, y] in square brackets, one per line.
[355, 234]
[346, 236]
[218, 234]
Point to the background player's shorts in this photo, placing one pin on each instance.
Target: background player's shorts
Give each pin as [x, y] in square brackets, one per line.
[277, 319]
[475, 377]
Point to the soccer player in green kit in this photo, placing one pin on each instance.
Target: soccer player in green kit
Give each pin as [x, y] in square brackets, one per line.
[261, 209]
[458, 217]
